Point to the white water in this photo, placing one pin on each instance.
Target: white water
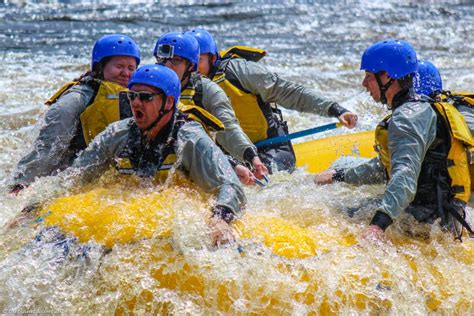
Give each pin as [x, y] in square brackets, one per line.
[319, 44]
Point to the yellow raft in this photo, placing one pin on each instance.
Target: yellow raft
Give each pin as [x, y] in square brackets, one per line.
[317, 155]
[316, 265]
[114, 215]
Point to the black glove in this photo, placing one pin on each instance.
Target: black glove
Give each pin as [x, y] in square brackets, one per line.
[223, 212]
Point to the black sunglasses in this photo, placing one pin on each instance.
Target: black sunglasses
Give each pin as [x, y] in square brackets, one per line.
[174, 60]
[144, 96]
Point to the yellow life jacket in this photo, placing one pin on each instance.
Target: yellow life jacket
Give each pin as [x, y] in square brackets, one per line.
[186, 113]
[254, 115]
[465, 99]
[103, 110]
[191, 95]
[125, 167]
[381, 143]
[457, 98]
[461, 141]
[246, 52]
[209, 122]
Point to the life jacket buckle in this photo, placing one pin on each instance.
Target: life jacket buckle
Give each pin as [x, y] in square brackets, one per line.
[277, 114]
[112, 96]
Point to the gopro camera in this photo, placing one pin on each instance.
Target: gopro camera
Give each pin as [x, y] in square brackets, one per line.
[165, 51]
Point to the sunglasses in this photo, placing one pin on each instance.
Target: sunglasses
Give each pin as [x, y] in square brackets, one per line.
[142, 95]
[173, 60]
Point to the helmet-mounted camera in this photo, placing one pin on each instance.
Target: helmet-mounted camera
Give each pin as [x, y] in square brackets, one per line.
[165, 51]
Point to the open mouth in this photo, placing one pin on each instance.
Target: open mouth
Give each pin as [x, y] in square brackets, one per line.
[139, 115]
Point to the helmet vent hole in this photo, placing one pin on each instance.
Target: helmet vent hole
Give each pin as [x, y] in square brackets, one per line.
[120, 42]
[147, 70]
[174, 41]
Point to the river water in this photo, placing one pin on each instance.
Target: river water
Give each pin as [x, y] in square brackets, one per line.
[44, 44]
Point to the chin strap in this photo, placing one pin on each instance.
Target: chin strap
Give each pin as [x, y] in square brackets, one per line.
[383, 88]
[148, 131]
[185, 80]
[211, 64]
[186, 76]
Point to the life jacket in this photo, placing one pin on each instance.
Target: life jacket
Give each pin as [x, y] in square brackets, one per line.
[103, 109]
[147, 159]
[457, 98]
[192, 94]
[258, 119]
[381, 144]
[444, 174]
[465, 99]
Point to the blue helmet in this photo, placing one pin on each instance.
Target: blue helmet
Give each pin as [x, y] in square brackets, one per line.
[160, 77]
[396, 57]
[114, 45]
[178, 44]
[427, 80]
[207, 45]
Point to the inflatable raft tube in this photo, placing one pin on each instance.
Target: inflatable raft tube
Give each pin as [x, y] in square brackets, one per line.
[112, 215]
[317, 155]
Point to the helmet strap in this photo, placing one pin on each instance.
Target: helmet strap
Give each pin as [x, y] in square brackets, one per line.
[214, 67]
[186, 76]
[210, 63]
[149, 131]
[383, 88]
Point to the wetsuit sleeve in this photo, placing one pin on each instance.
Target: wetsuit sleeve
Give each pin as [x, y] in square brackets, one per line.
[99, 155]
[258, 80]
[51, 149]
[370, 172]
[233, 138]
[411, 132]
[468, 114]
[209, 167]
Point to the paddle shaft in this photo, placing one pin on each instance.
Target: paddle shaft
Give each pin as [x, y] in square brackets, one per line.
[306, 132]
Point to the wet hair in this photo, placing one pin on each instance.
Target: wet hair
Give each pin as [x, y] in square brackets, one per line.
[406, 82]
[97, 72]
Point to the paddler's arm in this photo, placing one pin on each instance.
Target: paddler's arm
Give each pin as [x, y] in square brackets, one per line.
[100, 153]
[51, 147]
[412, 130]
[89, 165]
[271, 87]
[210, 169]
[370, 172]
[233, 138]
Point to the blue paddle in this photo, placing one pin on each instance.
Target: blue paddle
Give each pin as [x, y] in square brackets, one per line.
[306, 132]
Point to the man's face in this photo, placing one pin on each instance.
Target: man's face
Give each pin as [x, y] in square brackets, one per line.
[119, 69]
[205, 60]
[146, 107]
[371, 85]
[179, 65]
